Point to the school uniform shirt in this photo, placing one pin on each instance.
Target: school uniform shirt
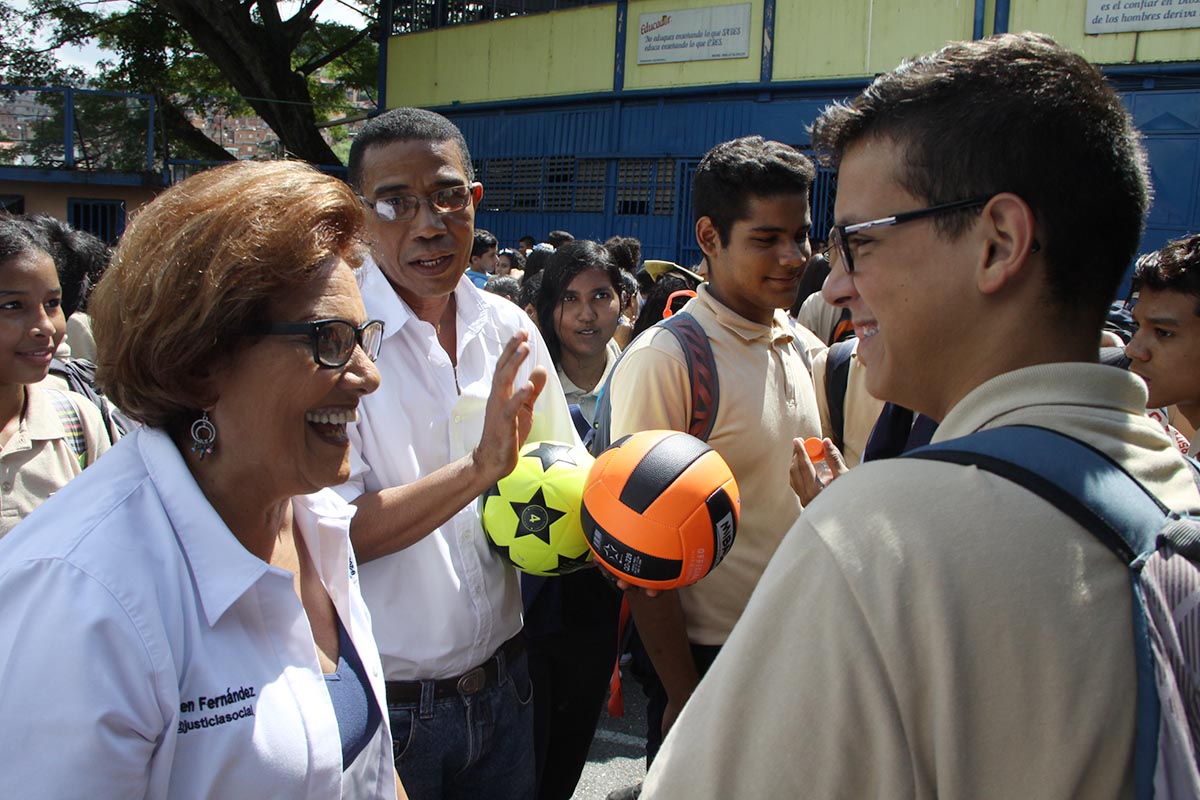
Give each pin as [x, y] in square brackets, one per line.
[586, 398]
[39, 460]
[146, 653]
[766, 399]
[444, 605]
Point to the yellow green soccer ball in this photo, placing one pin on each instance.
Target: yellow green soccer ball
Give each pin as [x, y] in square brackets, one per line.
[531, 517]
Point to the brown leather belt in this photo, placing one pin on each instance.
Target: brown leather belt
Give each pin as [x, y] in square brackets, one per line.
[469, 683]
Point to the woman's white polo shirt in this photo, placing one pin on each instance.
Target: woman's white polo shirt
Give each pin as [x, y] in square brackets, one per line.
[146, 653]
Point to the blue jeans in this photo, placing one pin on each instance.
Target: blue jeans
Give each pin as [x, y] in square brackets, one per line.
[469, 747]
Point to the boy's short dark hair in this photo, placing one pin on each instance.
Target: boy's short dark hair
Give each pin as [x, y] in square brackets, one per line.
[531, 284]
[483, 242]
[733, 172]
[558, 238]
[405, 125]
[1175, 268]
[537, 260]
[504, 286]
[1014, 113]
[527, 240]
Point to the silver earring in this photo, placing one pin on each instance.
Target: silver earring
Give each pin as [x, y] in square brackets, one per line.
[204, 433]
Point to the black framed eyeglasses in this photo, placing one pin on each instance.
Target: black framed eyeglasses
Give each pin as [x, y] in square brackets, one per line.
[403, 207]
[333, 340]
[838, 236]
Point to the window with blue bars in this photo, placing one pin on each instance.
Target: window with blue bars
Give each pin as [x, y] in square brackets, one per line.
[104, 219]
[646, 186]
[553, 184]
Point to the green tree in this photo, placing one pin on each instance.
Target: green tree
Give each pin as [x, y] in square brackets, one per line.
[208, 57]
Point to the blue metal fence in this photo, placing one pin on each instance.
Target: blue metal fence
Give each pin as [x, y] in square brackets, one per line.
[621, 167]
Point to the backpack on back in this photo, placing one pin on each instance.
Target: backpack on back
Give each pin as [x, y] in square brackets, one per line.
[1161, 549]
[72, 422]
[837, 378]
[80, 375]
[702, 379]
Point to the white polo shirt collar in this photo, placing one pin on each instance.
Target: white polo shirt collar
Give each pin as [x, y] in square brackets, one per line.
[222, 568]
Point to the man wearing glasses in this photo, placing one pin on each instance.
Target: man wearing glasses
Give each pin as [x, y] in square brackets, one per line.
[465, 379]
[927, 629]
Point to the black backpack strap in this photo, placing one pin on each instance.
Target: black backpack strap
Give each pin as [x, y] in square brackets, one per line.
[1100, 495]
[837, 377]
[843, 329]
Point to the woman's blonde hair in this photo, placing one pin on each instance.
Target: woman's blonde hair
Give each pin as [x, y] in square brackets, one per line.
[197, 270]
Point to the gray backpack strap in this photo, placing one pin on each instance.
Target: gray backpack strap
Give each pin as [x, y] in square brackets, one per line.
[703, 386]
[1100, 495]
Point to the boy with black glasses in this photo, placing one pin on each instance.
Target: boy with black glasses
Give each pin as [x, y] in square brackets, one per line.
[929, 629]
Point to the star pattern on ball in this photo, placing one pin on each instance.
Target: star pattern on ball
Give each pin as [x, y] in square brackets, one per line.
[536, 518]
[549, 453]
[567, 564]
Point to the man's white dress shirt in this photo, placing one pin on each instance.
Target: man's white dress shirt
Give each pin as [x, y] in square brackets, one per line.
[445, 604]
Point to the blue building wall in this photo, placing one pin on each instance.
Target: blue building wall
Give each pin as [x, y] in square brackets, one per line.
[671, 133]
[623, 167]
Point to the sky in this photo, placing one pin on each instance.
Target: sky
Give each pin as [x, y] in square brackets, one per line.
[86, 57]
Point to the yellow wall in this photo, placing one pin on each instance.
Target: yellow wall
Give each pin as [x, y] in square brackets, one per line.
[565, 52]
[862, 37]
[1065, 21]
[571, 51]
[51, 198]
[690, 73]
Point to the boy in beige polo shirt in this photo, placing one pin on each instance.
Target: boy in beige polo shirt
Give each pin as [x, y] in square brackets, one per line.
[751, 204]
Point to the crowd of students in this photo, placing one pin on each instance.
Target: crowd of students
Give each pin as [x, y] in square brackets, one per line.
[277, 584]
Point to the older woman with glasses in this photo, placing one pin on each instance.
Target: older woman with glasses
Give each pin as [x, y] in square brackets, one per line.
[184, 619]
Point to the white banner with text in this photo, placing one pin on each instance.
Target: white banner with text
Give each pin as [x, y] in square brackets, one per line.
[694, 34]
[1119, 16]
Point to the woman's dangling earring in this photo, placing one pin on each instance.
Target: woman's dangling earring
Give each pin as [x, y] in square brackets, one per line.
[204, 433]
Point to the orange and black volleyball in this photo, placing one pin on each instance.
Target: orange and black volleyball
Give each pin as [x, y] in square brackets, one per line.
[660, 509]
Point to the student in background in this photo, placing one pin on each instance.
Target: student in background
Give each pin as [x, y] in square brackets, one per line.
[511, 263]
[571, 621]
[1165, 350]
[483, 258]
[577, 311]
[47, 435]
